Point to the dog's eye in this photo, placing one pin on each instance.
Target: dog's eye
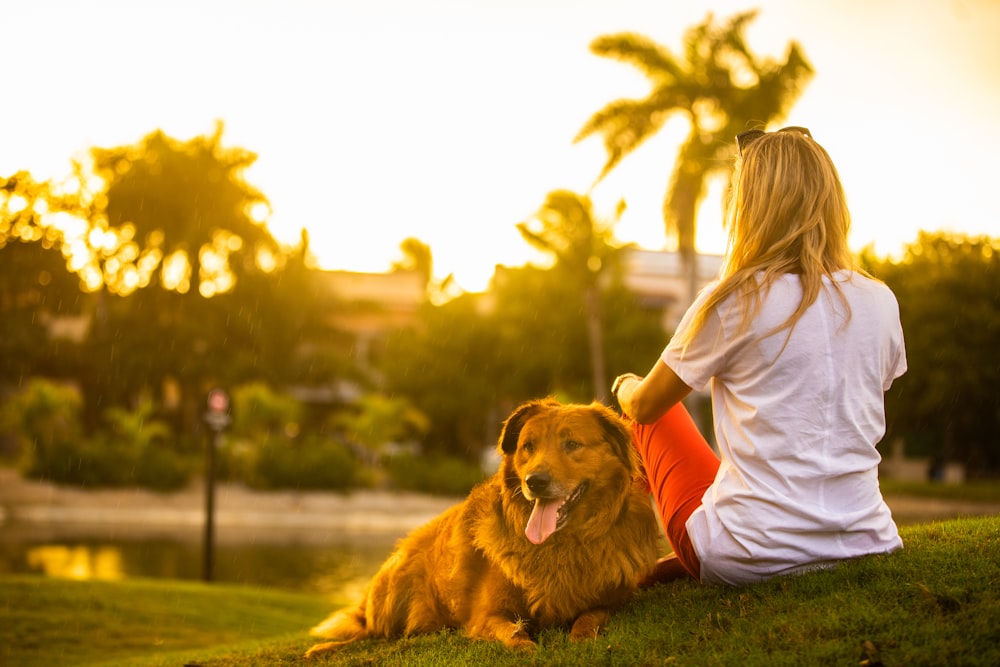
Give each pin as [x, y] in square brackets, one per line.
[529, 446]
[571, 445]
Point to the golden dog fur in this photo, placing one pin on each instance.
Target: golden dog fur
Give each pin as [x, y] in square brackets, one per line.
[558, 537]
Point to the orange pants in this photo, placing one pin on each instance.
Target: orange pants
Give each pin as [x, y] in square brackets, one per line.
[680, 466]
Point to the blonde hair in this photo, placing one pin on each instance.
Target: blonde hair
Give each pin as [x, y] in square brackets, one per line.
[787, 213]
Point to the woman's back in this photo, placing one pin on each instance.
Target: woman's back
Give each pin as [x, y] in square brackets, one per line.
[798, 414]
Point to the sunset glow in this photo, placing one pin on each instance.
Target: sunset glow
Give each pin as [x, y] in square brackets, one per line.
[450, 121]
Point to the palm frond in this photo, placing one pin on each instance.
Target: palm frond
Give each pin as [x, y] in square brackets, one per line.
[779, 86]
[624, 125]
[653, 60]
[534, 239]
[732, 32]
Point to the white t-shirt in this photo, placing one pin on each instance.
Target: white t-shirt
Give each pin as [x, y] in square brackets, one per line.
[797, 427]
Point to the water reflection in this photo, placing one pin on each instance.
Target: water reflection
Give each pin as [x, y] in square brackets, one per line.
[79, 562]
[332, 569]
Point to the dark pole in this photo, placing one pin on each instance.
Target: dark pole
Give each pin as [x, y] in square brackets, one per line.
[217, 419]
[209, 540]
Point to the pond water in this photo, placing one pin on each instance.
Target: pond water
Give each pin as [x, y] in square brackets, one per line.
[338, 567]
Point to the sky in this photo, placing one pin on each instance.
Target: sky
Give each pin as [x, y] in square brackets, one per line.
[450, 120]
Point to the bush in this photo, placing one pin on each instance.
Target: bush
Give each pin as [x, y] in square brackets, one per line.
[64, 462]
[162, 469]
[105, 461]
[443, 476]
[44, 420]
[89, 462]
[145, 446]
[132, 449]
[259, 411]
[313, 464]
[235, 459]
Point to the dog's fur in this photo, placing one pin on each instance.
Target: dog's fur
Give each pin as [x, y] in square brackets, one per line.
[474, 567]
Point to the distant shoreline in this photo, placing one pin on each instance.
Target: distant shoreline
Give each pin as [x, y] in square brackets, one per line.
[38, 507]
[30, 506]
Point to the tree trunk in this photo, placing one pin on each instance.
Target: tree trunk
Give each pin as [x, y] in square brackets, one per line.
[596, 340]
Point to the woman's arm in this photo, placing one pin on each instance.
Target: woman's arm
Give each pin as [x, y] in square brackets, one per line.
[647, 399]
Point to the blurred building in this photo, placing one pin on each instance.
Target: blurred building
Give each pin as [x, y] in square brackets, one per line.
[365, 308]
[662, 281]
[362, 309]
[371, 304]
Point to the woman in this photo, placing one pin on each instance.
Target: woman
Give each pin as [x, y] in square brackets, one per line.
[799, 346]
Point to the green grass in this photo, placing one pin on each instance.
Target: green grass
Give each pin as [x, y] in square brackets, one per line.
[141, 622]
[936, 602]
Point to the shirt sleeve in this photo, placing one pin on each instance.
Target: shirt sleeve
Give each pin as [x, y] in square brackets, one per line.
[897, 365]
[893, 347]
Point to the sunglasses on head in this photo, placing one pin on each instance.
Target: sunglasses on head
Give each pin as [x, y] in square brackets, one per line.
[744, 139]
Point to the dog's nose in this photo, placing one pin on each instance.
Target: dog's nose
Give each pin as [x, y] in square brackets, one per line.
[538, 482]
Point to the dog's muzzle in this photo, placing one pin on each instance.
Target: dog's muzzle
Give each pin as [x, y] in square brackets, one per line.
[549, 513]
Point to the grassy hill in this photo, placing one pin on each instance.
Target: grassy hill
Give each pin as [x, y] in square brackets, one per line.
[936, 602]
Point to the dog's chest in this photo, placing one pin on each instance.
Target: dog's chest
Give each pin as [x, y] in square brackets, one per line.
[557, 585]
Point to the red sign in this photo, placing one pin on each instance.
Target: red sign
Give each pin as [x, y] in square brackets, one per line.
[217, 416]
[218, 401]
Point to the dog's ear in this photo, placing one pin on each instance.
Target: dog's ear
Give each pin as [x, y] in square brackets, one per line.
[619, 434]
[515, 422]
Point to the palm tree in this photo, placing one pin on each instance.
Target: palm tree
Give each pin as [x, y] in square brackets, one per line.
[719, 85]
[417, 256]
[182, 199]
[565, 227]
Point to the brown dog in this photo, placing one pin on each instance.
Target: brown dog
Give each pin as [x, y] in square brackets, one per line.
[559, 536]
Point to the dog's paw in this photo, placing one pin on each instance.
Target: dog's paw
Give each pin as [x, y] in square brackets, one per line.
[519, 638]
[588, 625]
[579, 634]
[522, 644]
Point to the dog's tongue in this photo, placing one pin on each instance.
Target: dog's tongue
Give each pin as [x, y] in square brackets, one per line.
[542, 522]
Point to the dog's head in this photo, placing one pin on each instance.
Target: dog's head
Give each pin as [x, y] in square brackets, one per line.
[574, 463]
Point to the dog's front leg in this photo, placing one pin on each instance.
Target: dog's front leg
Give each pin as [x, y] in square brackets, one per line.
[588, 624]
[499, 627]
[496, 610]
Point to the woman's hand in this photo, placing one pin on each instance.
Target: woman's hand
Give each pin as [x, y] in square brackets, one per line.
[647, 399]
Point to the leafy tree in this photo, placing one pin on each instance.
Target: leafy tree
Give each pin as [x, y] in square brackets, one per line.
[193, 287]
[543, 346]
[417, 256]
[189, 204]
[23, 208]
[543, 340]
[35, 286]
[633, 332]
[182, 282]
[447, 366]
[719, 85]
[946, 405]
[471, 360]
[36, 294]
[565, 227]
